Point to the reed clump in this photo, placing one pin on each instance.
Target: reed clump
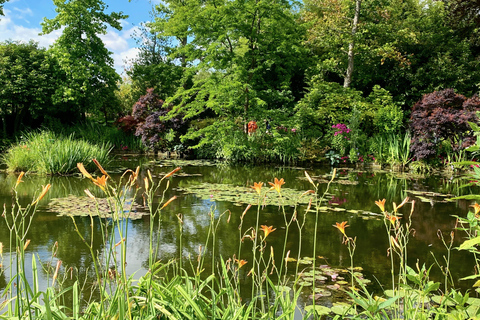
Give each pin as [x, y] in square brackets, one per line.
[45, 152]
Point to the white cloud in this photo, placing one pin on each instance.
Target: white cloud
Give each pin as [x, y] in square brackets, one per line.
[122, 59]
[11, 31]
[114, 41]
[26, 11]
[118, 42]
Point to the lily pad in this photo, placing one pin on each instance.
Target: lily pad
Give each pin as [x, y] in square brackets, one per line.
[343, 309]
[101, 207]
[320, 310]
[442, 300]
[183, 163]
[245, 195]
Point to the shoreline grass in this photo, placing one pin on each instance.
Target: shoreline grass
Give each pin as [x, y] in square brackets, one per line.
[44, 152]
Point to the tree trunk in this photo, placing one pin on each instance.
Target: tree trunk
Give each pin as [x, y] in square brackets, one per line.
[351, 46]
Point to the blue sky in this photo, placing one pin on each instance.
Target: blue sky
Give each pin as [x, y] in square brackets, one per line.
[23, 17]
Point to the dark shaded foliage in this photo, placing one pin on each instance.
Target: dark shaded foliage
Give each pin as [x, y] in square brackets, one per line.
[149, 113]
[439, 116]
[127, 124]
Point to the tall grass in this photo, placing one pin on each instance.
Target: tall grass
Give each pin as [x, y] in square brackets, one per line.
[96, 133]
[48, 153]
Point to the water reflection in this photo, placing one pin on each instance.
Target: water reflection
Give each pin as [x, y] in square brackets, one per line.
[358, 191]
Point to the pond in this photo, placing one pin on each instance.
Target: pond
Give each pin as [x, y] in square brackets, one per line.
[203, 187]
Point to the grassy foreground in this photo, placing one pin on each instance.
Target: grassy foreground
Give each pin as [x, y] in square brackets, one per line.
[171, 290]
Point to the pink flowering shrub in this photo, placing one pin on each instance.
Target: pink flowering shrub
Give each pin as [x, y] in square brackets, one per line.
[341, 137]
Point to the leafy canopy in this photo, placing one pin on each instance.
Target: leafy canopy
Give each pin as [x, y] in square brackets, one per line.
[82, 54]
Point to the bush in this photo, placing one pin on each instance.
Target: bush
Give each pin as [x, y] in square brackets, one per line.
[46, 153]
[154, 131]
[442, 115]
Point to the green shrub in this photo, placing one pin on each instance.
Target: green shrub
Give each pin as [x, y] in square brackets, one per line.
[47, 153]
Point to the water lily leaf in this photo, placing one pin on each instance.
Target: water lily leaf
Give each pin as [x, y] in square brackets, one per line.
[319, 277]
[363, 281]
[443, 300]
[283, 289]
[333, 286]
[474, 301]
[84, 206]
[305, 284]
[322, 292]
[305, 261]
[320, 310]
[343, 309]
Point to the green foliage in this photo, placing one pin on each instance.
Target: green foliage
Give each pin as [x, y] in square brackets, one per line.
[91, 79]
[97, 133]
[153, 68]
[388, 117]
[47, 153]
[326, 104]
[232, 68]
[1, 6]
[28, 79]
[233, 145]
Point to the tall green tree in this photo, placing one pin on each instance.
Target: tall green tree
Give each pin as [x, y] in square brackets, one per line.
[28, 80]
[153, 67]
[245, 60]
[406, 47]
[91, 78]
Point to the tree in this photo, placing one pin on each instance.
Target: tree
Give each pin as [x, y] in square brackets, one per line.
[91, 78]
[28, 79]
[442, 117]
[406, 47]
[153, 68]
[156, 134]
[1, 6]
[244, 58]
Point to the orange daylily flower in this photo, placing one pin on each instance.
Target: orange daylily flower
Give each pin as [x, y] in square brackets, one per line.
[277, 184]
[101, 182]
[55, 274]
[381, 204]
[341, 226]
[267, 230]
[100, 167]
[241, 263]
[257, 187]
[84, 171]
[392, 219]
[395, 208]
[25, 246]
[476, 207]
[19, 179]
[44, 192]
[171, 173]
[146, 184]
[168, 202]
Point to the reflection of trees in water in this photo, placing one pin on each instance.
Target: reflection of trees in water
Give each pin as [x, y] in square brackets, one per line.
[3, 280]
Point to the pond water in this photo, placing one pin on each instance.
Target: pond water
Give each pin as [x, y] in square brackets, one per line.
[200, 189]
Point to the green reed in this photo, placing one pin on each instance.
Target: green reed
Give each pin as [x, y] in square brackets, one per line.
[47, 153]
